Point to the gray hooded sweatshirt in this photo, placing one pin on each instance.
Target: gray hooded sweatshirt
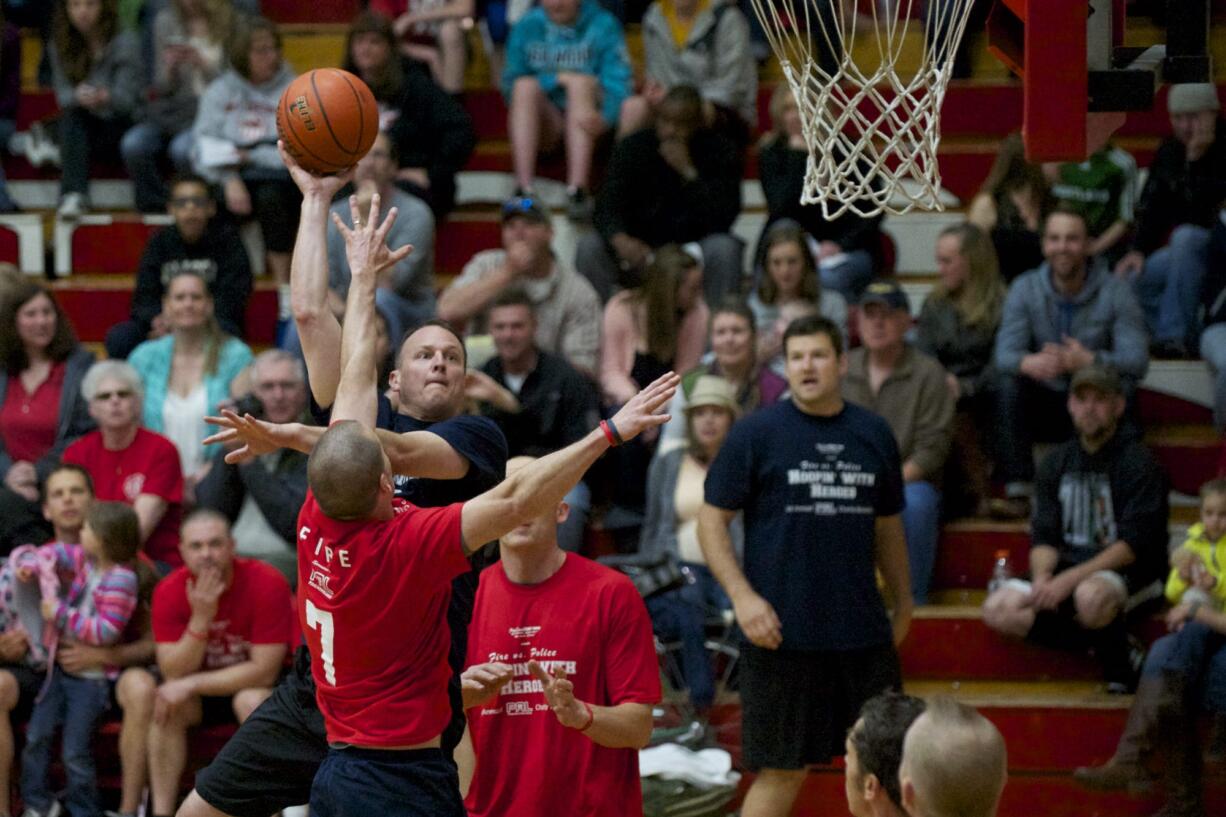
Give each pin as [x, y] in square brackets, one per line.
[234, 110]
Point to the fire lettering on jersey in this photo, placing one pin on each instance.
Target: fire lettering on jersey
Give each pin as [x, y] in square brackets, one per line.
[340, 554]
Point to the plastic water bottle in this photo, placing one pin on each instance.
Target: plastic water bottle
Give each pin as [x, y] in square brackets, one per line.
[1002, 571]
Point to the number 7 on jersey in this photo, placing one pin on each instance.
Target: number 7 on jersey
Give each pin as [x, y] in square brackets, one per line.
[322, 620]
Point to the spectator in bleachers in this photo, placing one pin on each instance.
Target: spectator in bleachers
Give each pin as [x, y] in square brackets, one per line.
[849, 246]
[732, 340]
[1213, 339]
[94, 609]
[704, 44]
[235, 144]
[954, 761]
[99, 78]
[262, 496]
[128, 463]
[10, 96]
[568, 310]
[674, 183]
[432, 132]
[198, 242]
[41, 408]
[1103, 188]
[434, 32]
[874, 752]
[67, 494]
[406, 296]
[1179, 204]
[567, 73]
[789, 275]
[1098, 532]
[188, 372]
[223, 626]
[540, 401]
[889, 376]
[1175, 665]
[648, 331]
[670, 530]
[957, 326]
[189, 42]
[1063, 317]
[819, 640]
[1011, 207]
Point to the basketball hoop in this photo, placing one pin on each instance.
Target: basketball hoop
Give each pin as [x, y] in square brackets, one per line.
[872, 134]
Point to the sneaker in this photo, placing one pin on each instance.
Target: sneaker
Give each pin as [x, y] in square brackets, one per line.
[41, 149]
[73, 206]
[54, 810]
[580, 206]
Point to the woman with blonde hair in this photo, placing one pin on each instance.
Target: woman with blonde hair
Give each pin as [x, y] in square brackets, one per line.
[957, 325]
[187, 373]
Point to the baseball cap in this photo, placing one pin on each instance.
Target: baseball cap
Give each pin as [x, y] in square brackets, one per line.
[1098, 377]
[711, 390]
[530, 207]
[1192, 97]
[885, 292]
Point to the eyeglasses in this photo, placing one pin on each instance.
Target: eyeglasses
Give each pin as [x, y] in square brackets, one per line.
[180, 202]
[122, 394]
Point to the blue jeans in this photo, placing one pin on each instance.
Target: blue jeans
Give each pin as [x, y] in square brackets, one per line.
[1170, 282]
[140, 148]
[1199, 654]
[682, 615]
[850, 276]
[921, 522]
[1213, 350]
[77, 704]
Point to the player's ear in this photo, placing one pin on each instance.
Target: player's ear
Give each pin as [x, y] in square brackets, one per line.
[385, 484]
[563, 512]
[871, 787]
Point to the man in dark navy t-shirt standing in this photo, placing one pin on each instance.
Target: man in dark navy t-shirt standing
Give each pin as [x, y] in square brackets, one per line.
[820, 484]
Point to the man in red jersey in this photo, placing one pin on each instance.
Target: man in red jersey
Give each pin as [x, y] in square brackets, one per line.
[374, 574]
[563, 667]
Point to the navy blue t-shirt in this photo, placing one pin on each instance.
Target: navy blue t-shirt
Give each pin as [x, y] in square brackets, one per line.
[811, 489]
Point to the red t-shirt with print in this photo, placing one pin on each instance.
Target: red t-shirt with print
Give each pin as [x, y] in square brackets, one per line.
[150, 465]
[589, 620]
[257, 608]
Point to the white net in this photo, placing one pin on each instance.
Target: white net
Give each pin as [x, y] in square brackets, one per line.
[871, 129]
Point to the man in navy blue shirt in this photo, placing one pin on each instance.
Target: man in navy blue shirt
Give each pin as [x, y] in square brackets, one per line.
[820, 483]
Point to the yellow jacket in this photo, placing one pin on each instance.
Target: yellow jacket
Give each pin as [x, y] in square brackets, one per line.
[1213, 554]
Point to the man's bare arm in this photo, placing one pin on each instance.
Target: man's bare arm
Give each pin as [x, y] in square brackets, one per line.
[260, 670]
[755, 614]
[891, 556]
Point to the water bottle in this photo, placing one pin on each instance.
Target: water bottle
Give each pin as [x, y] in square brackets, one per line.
[1002, 571]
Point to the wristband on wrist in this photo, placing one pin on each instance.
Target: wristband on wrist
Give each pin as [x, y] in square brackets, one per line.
[610, 433]
[591, 717]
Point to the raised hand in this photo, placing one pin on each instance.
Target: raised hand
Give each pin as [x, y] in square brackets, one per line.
[480, 683]
[639, 412]
[560, 695]
[253, 438]
[325, 187]
[366, 242]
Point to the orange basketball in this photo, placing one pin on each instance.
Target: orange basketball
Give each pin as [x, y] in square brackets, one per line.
[328, 119]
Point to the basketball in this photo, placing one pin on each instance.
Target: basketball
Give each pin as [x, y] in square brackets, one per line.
[328, 119]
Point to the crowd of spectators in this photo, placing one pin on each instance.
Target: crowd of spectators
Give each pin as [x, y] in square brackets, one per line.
[1051, 300]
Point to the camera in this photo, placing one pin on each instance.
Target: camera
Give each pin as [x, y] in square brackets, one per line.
[249, 404]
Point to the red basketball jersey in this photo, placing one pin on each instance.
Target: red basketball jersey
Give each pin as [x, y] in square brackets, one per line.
[372, 600]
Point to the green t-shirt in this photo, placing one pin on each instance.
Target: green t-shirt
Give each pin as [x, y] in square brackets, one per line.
[1103, 188]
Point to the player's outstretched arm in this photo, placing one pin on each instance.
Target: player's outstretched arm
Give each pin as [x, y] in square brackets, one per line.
[541, 485]
[318, 328]
[368, 255]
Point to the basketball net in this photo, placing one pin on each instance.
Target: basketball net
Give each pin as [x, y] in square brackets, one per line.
[871, 133]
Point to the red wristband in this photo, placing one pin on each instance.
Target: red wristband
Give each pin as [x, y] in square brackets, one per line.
[591, 717]
[608, 433]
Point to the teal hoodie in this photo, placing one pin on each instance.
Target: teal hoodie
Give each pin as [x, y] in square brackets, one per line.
[594, 45]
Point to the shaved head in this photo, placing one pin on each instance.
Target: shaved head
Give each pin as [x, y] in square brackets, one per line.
[344, 470]
[954, 763]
